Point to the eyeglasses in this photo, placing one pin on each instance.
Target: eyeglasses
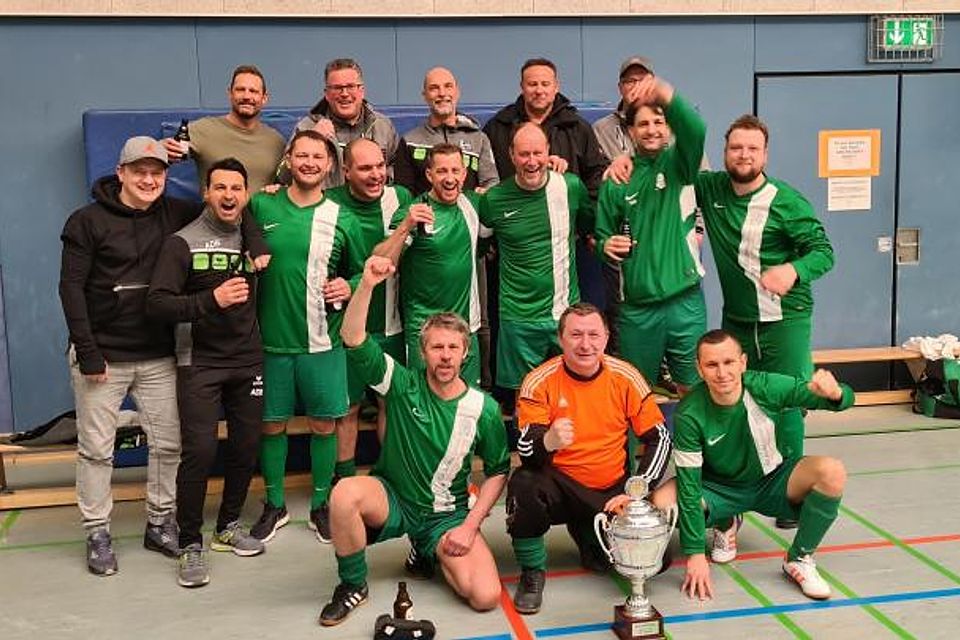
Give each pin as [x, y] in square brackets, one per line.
[629, 82]
[349, 88]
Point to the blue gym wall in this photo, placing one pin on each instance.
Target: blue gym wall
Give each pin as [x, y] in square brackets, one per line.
[52, 70]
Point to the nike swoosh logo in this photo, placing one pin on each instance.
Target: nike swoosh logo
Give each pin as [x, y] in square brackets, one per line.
[267, 227]
[437, 230]
[508, 214]
[713, 441]
[717, 205]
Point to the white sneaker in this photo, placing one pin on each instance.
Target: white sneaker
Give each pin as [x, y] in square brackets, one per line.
[724, 548]
[804, 572]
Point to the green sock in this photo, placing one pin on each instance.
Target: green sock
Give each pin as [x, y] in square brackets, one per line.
[816, 515]
[352, 569]
[345, 468]
[323, 457]
[273, 466]
[531, 553]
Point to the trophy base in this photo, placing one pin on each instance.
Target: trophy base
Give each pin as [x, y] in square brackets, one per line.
[628, 627]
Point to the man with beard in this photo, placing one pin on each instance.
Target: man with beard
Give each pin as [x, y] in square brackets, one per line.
[445, 125]
[316, 246]
[574, 413]
[204, 282]
[344, 115]
[769, 247]
[535, 216]
[239, 134]
[436, 423]
[573, 145]
[663, 311]
[374, 204]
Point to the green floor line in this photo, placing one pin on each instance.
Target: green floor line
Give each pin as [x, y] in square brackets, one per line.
[874, 432]
[66, 543]
[7, 524]
[919, 555]
[875, 613]
[758, 595]
[879, 472]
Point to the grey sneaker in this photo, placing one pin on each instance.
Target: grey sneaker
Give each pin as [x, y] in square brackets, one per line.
[192, 570]
[234, 538]
[101, 560]
[163, 538]
[529, 594]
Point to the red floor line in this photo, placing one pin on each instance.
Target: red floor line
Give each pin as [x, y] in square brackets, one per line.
[561, 573]
[520, 630]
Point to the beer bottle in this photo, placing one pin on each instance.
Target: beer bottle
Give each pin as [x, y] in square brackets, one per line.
[625, 231]
[183, 137]
[403, 605]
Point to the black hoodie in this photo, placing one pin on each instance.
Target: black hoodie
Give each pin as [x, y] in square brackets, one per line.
[109, 251]
[570, 137]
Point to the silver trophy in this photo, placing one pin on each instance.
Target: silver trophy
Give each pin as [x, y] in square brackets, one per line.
[635, 541]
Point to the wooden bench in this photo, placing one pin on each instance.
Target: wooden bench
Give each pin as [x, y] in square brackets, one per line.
[14, 454]
[913, 359]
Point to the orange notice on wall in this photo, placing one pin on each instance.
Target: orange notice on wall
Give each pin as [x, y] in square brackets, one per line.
[849, 153]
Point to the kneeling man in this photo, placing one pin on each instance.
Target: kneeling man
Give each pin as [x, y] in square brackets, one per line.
[728, 462]
[435, 424]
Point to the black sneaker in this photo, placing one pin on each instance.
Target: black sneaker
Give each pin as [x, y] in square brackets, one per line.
[592, 558]
[101, 561]
[270, 520]
[785, 523]
[163, 538]
[529, 594]
[319, 523]
[418, 567]
[346, 598]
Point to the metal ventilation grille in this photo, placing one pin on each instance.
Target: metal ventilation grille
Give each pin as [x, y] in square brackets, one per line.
[905, 38]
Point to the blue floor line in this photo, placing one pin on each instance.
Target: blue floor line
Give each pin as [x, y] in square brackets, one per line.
[749, 611]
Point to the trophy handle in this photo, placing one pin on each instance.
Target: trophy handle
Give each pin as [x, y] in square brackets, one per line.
[600, 526]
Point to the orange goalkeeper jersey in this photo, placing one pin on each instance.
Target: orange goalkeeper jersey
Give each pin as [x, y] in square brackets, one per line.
[601, 408]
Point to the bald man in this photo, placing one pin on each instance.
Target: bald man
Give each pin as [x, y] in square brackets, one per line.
[535, 216]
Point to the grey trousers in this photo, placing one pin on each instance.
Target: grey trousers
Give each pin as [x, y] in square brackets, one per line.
[153, 385]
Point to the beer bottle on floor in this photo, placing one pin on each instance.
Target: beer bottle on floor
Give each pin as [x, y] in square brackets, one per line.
[403, 605]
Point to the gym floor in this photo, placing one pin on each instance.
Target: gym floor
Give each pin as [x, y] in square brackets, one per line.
[892, 558]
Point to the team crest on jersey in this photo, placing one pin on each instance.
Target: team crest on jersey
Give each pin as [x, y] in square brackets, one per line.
[418, 414]
[256, 388]
[661, 182]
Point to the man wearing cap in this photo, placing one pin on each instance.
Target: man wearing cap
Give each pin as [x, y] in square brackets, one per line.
[239, 134]
[573, 145]
[109, 250]
[344, 115]
[612, 130]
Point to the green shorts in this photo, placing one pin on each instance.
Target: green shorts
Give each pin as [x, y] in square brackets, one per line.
[319, 380]
[424, 530]
[670, 329]
[522, 347]
[393, 346]
[768, 497]
[469, 371]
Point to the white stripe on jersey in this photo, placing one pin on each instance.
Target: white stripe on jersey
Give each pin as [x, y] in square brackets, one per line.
[688, 459]
[461, 439]
[660, 457]
[751, 238]
[384, 385]
[688, 206]
[389, 203]
[473, 226]
[558, 212]
[322, 234]
[764, 435]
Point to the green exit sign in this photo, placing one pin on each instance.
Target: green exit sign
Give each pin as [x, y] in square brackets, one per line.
[908, 34]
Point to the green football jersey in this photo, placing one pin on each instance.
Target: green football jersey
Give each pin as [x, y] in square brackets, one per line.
[536, 236]
[748, 234]
[733, 445]
[374, 218]
[308, 245]
[659, 204]
[430, 442]
[438, 270]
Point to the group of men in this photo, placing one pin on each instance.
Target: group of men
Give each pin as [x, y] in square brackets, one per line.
[364, 267]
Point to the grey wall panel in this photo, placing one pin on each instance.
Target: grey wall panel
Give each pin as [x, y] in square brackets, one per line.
[486, 55]
[292, 55]
[52, 71]
[929, 174]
